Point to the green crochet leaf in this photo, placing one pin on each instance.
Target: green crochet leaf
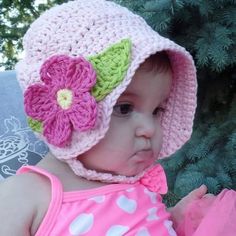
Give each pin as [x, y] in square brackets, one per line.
[35, 125]
[111, 67]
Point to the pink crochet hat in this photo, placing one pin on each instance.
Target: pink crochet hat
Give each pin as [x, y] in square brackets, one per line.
[79, 58]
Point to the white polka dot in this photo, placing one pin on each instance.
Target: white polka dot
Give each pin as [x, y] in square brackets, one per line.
[168, 224]
[152, 195]
[143, 232]
[152, 214]
[98, 199]
[126, 204]
[117, 230]
[81, 224]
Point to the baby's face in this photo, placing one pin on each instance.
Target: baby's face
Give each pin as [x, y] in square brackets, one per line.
[134, 138]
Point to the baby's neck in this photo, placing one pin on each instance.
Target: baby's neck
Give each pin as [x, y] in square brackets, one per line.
[64, 173]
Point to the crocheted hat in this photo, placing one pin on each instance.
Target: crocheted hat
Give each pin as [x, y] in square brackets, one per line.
[79, 58]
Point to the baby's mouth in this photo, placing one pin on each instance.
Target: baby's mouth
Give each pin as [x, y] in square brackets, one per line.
[144, 155]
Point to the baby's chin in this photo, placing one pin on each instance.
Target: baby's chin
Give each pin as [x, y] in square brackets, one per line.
[139, 169]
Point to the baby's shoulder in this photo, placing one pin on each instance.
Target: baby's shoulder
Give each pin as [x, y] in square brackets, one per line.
[24, 185]
[27, 195]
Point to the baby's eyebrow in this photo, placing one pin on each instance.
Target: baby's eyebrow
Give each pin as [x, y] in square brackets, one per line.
[129, 94]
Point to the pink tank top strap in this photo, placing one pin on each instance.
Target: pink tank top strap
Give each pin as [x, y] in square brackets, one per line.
[56, 199]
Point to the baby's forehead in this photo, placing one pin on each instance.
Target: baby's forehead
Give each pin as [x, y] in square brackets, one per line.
[146, 83]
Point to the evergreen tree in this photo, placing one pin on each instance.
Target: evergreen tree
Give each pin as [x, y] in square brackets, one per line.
[208, 158]
[206, 28]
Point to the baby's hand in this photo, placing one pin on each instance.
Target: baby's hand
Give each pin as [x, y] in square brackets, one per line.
[178, 211]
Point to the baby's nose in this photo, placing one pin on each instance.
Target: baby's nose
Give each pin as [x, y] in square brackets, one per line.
[146, 127]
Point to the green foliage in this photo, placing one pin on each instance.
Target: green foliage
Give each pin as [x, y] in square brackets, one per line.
[208, 158]
[15, 18]
[205, 28]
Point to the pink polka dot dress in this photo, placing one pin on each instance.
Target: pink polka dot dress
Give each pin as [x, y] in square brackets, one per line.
[111, 210]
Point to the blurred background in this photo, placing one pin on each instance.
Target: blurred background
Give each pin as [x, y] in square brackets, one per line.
[205, 28]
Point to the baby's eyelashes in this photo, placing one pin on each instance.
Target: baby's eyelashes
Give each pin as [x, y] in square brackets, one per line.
[123, 109]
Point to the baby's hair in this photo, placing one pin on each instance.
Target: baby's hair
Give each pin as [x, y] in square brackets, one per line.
[158, 62]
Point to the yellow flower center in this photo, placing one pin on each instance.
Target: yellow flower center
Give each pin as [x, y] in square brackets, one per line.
[64, 98]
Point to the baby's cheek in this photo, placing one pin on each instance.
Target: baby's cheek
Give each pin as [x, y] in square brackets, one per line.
[157, 144]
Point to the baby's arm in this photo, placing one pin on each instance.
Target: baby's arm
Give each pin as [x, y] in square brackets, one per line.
[20, 198]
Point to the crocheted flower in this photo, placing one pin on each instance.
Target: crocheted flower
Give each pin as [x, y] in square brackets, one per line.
[155, 180]
[63, 102]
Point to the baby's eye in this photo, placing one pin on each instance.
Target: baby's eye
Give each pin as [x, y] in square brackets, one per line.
[158, 111]
[122, 109]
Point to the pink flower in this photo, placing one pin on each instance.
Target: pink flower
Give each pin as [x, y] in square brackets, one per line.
[63, 102]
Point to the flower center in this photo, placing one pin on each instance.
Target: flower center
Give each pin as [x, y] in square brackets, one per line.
[64, 98]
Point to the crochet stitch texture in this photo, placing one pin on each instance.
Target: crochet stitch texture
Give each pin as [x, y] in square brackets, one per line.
[87, 28]
[63, 102]
[111, 67]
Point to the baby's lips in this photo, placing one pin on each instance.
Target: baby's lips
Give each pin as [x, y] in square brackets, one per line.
[144, 154]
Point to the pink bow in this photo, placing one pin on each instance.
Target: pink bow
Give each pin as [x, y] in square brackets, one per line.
[155, 180]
